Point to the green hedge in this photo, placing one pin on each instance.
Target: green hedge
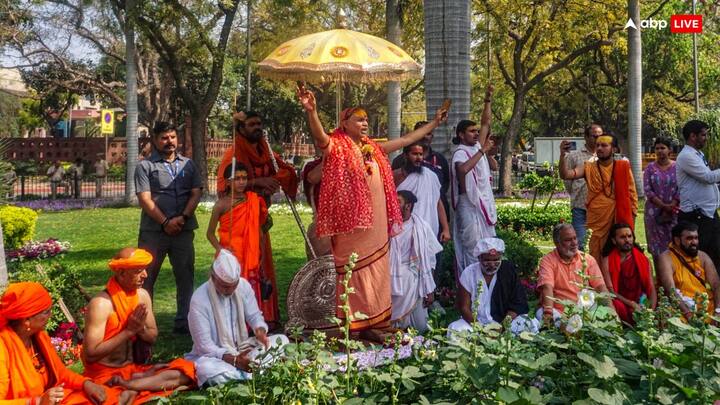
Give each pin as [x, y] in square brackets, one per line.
[521, 252]
[62, 281]
[18, 225]
[540, 221]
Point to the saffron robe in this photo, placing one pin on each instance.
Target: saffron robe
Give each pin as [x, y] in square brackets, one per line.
[256, 157]
[612, 198]
[124, 304]
[686, 282]
[20, 382]
[247, 219]
[631, 279]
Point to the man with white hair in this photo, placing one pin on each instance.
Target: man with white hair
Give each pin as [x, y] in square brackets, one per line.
[412, 261]
[491, 290]
[220, 309]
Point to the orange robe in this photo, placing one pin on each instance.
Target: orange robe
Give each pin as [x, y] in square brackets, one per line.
[601, 204]
[371, 276]
[20, 381]
[686, 282]
[256, 157]
[124, 304]
[247, 219]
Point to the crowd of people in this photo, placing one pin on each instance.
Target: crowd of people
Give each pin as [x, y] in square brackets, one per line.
[391, 221]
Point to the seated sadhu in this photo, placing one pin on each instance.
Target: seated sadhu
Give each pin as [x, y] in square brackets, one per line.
[120, 317]
[30, 370]
[490, 291]
[627, 273]
[688, 273]
[220, 312]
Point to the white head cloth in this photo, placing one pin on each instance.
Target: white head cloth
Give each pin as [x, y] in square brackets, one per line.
[226, 267]
[487, 245]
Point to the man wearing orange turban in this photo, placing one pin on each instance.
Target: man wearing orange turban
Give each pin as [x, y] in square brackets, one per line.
[119, 321]
[30, 369]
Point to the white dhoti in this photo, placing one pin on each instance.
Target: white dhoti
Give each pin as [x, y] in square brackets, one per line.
[412, 260]
[469, 227]
[214, 371]
[475, 210]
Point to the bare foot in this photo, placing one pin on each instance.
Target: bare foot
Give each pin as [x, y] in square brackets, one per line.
[127, 397]
[149, 372]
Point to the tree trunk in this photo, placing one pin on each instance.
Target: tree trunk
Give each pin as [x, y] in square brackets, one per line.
[635, 96]
[394, 100]
[131, 103]
[508, 142]
[199, 157]
[447, 64]
[3, 264]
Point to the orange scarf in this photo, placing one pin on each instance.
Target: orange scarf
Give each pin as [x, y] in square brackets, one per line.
[256, 157]
[22, 300]
[25, 381]
[245, 242]
[124, 304]
[345, 201]
[623, 206]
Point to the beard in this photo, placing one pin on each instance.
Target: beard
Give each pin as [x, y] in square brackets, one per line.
[690, 250]
[410, 168]
[627, 247]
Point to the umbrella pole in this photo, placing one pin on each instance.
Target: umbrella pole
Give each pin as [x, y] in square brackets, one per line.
[338, 101]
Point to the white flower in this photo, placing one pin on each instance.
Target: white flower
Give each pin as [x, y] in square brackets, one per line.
[574, 324]
[586, 298]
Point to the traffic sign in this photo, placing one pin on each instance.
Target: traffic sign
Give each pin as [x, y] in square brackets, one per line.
[107, 122]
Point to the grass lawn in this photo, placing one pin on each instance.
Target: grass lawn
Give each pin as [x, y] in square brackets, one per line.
[96, 235]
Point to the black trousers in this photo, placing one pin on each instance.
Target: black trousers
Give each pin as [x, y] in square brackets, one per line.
[182, 259]
[708, 230]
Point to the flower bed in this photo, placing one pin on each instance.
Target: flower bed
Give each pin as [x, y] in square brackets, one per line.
[69, 204]
[38, 250]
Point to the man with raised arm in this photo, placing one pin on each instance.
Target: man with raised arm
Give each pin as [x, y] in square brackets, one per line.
[358, 209]
[472, 194]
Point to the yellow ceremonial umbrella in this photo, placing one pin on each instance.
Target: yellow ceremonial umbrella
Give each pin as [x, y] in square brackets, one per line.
[339, 55]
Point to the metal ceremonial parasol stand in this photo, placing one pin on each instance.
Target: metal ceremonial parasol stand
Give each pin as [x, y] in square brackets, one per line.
[334, 56]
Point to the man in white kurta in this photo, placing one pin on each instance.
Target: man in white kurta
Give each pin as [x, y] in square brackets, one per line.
[220, 309]
[490, 290]
[412, 261]
[425, 185]
[472, 195]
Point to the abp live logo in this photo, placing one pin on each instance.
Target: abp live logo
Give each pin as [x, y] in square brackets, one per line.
[686, 24]
[679, 24]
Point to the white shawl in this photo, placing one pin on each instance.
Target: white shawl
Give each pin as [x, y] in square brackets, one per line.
[226, 338]
[424, 246]
[478, 183]
[426, 187]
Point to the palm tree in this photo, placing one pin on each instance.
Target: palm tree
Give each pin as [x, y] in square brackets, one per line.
[635, 95]
[131, 105]
[447, 63]
[394, 97]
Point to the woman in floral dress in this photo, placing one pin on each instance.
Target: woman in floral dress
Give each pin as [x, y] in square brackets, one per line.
[661, 199]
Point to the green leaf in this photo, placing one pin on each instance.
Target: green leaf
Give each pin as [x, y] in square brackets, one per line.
[604, 397]
[412, 372]
[664, 396]
[604, 368]
[544, 361]
[277, 390]
[507, 395]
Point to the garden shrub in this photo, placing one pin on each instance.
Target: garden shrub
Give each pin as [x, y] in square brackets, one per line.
[522, 219]
[663, 360]
[524, 254]
[59, 279]
[18, 225]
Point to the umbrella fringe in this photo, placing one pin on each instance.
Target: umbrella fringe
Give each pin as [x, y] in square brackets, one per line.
[321, 77]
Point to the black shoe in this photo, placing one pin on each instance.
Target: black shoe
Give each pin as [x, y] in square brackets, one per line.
[181, 330]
